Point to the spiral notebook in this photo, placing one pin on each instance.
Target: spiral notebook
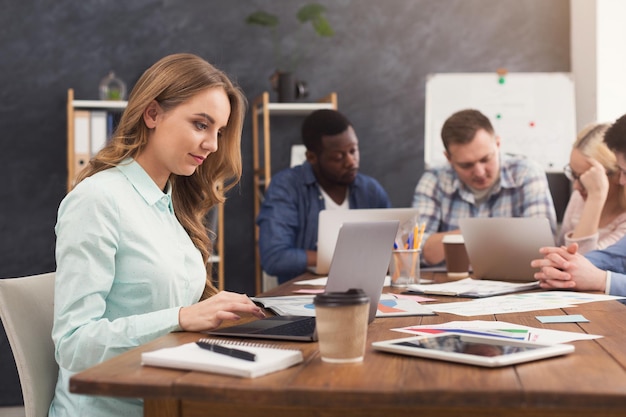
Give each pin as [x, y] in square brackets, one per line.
[268, 358]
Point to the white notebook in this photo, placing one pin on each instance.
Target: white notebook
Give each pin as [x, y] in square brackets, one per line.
[190, 356]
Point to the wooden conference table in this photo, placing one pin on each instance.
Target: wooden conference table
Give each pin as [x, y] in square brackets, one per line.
[590, 382]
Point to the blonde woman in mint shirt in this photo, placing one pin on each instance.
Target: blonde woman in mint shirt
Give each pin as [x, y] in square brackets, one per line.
[132, 250]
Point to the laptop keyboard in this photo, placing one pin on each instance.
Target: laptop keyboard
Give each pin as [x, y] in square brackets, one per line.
[296, 328]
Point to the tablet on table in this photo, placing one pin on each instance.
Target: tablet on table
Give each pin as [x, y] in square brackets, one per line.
[471, 349]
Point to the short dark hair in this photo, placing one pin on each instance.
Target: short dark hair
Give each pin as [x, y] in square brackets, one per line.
[615, 136]
[461, 127]
[322, 123]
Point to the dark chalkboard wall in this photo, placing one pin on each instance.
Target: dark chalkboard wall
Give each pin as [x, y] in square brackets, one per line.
[377, 63]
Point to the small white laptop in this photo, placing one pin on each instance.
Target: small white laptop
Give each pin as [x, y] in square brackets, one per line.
[331, 220]
[501, 248]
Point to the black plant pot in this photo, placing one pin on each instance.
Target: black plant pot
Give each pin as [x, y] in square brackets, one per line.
[287, 87]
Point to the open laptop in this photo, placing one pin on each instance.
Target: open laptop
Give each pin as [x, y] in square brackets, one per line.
[361, 259]
[331, 220]
[501, 248]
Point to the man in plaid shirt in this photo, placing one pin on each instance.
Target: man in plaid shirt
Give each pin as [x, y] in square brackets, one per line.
[477, 182]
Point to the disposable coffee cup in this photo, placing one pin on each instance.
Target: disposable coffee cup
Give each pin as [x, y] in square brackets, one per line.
[341, 323]
[404, 268]
[457, 261]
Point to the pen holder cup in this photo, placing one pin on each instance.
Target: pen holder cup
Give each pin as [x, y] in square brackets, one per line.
[404, 267]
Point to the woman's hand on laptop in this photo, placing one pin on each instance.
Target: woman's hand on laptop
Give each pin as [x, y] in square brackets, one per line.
[565, 268]
[210, 313]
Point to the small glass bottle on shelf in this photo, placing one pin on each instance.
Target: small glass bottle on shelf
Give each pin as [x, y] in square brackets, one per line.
[112, 88]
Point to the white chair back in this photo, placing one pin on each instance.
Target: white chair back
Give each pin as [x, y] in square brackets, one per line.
[26, 310]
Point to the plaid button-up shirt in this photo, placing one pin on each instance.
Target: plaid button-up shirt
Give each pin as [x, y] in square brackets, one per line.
[522, 191]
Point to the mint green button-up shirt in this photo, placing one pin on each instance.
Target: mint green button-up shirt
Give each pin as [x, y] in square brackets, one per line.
[125, 267]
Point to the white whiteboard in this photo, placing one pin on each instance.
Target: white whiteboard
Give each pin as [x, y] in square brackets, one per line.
[533, 113]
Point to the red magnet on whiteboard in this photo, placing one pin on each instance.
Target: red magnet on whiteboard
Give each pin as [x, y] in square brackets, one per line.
[532, 124]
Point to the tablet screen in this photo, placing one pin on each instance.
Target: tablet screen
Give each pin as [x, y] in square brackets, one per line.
[473, 350]
[458, 344]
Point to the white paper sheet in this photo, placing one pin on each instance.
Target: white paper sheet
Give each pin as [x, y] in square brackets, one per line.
[502, 328]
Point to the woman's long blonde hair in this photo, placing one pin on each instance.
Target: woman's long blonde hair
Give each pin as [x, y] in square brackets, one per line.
[590, 142]
[171, 81]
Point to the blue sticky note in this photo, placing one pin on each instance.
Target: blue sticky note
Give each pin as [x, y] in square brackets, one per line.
[567, 318]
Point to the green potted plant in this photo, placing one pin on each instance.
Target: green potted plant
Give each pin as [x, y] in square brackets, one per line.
[287, 63]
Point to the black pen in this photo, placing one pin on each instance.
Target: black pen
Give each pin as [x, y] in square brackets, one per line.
[235, 353]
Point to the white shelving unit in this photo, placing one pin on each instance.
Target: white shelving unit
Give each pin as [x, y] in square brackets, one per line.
[263, 109]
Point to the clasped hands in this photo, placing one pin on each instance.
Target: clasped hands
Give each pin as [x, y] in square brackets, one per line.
[565, 268]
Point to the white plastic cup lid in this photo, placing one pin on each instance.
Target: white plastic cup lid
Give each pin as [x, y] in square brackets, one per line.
[453, 238]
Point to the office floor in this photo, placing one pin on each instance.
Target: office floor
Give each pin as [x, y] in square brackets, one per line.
[12, 411]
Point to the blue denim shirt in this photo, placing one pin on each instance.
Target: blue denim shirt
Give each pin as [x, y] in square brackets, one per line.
[289, 215]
